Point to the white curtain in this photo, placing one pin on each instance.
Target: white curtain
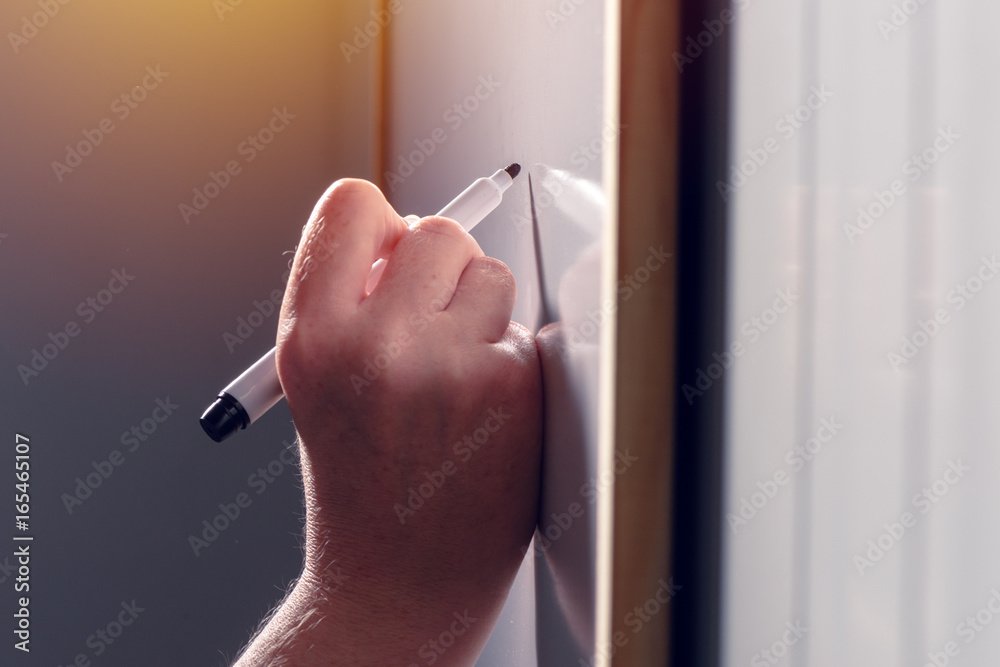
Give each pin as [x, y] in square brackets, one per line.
[862, 485]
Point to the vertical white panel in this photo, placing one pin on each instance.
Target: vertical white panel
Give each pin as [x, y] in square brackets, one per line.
[764, 258]
[859, 547]
[963, 532]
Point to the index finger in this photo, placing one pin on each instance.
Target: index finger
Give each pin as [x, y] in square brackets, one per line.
[351, 227]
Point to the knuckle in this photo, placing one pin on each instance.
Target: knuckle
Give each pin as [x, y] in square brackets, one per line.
[349, 191]
[344, 203]
[493, 268]
[520, 340]
[492, 271]
[438, 225]
[518, 330]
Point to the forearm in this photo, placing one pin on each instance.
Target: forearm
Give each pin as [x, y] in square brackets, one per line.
[358, 603]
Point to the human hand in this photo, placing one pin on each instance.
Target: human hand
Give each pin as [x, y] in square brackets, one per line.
[418, 408]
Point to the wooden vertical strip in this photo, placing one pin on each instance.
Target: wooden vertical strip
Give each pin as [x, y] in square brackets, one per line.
[604, 566]
[382, 91]
[647, 204]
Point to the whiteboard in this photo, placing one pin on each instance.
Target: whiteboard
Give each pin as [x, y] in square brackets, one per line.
[528, 81]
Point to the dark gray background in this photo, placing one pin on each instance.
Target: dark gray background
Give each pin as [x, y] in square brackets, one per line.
[162, 336]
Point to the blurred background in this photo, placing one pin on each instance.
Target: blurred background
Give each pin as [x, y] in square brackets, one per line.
[184, 85]
[159, 162]
[860, 468]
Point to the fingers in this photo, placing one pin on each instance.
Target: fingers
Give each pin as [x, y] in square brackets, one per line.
[551, 345]
[425, 268]
[351, 227]
[435, 266]
[484, 299]
[550, 342]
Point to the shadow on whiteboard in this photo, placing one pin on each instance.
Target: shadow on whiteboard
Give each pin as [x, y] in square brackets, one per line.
[568, 214]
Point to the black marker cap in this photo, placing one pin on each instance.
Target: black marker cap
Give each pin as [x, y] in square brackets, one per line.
[223, 418]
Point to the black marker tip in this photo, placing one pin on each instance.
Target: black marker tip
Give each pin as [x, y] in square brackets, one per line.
[513, 170]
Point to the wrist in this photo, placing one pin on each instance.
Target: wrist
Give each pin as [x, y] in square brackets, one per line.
[360, 591]
[319, 625]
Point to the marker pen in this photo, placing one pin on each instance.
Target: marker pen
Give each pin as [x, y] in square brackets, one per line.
[257, 390]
